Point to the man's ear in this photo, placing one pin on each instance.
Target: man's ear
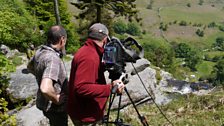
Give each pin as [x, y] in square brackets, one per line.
[62, 39]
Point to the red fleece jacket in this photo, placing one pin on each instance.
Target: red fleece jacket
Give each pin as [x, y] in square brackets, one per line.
[88, 91]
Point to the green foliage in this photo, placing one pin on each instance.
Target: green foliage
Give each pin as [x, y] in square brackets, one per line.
[104, 11]
[221, 28]
[201, 2]
[188, 4]
[183, 23]
[159, 53]
[163, 26]
[16, 60]
[191, 57]
[150, 4]
[182, 50]
[125, 8]
[219, 73]
[44, 11]
[133, 29]
[184, 110]
[5, 67]
[120, 27]
[158, 76]
[212, 25]
[219, 44]
[17, 26]
[200, 32]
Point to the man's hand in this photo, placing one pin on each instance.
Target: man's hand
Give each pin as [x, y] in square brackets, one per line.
[119, 85]
[61, 98]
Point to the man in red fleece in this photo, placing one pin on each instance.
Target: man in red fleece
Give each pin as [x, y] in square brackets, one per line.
[88, 91]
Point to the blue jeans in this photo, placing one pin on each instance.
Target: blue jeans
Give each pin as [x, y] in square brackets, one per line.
[57, 118]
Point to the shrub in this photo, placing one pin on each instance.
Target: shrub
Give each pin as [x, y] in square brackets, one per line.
[221, 28]
[163, 26]
[183, 23]
[119, 27]
[212, 25]
[200, 33]
[188, 4]
[133, 29]
[5, 67]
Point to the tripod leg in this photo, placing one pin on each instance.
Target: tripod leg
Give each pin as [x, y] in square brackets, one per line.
[106, 117]
[118, 120]
[142, 118]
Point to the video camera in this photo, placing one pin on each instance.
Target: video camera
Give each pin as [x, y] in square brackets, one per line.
[117, 53]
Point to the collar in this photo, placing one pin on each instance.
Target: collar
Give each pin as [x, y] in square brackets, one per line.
[90, 42]
[59, 53]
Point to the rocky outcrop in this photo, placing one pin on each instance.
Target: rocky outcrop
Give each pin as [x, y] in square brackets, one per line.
[144, 83]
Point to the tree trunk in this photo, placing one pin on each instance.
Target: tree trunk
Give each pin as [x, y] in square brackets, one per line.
[56, 10]
[98, 19]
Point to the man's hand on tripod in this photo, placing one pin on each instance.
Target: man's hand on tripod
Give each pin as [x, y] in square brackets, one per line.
[118, 85]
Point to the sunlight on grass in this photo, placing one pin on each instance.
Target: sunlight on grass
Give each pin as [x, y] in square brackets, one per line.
[193, 14]
[205, 68]
[186, 110]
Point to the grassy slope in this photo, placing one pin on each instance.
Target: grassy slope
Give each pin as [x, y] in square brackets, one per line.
[177, 10]
[188, 110]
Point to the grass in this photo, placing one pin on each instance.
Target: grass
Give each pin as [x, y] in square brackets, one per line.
[215, 53]
[195, 14]
[188, 110]
[205, 68]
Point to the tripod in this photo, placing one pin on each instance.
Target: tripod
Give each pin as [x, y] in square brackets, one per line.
[118, 121]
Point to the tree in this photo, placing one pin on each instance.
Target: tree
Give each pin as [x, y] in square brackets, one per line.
[58, 21]
[219, 72]
[17, 26]
[159, 53]
[182, 50]
[45, 13]
[133, 29]
[192, 60]
[119, 27]
[191, 57]
[220, 43]
[125, 8]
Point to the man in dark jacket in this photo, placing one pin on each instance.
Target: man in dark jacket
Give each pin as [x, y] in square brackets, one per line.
[88, 91]
[50, 73]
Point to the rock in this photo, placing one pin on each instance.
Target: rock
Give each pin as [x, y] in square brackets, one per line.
[22, 85]
[138, 92]
[7, 52]
[139, 66]
[31, 117]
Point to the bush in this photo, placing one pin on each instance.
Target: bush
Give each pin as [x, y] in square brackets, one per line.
[221, 28]
[212, 25]
[188, 5]
[120, 27]
[133, 29]
[17, 26]
[5, 67]
[183, 23]
[219, 43]
[219, 72]
[163, 26]
[159, 53]
[200, 33]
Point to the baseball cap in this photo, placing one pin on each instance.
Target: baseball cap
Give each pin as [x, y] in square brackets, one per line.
[98, 31]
